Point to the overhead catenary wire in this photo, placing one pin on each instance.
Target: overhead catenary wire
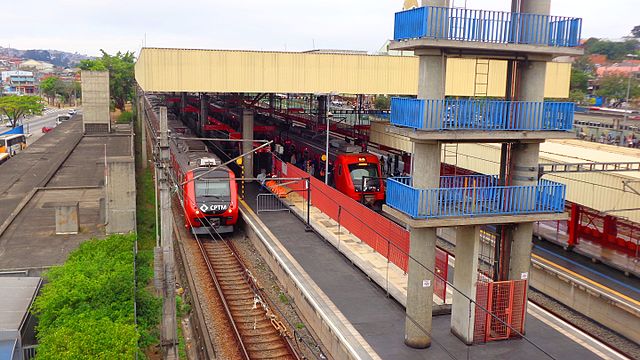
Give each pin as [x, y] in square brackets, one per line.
[478, 306]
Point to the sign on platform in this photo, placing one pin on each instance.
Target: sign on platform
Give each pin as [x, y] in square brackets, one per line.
[426, 283]
[524, 276]
[284, 168]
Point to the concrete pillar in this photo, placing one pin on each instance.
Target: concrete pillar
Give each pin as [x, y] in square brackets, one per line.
[426, 174]
[247, 134]
[420, 287]
[143, 130]
[67, 220]
[524, 159]
[204, 112]
[542, 7]
[121, 195]
[183, 106]
[531, 86]
[441, 3]
[431, 76]
[465, 280]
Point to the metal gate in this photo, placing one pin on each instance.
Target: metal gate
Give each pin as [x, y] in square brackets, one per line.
[506, 305]
[269, 202]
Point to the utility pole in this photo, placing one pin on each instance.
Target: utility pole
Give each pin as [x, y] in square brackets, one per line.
[169, 335]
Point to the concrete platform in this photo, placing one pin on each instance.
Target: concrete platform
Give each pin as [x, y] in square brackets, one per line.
[380, 319]
[487, 49]
[62, 166]
[477, 136]
[470, 220]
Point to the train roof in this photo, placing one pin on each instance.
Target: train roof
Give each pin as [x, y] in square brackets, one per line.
[190, 154]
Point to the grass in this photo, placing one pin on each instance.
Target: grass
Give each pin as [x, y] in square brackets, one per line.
[149, 305]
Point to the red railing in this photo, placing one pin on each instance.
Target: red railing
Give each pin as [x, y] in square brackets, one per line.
[505, 305]
[380, 233]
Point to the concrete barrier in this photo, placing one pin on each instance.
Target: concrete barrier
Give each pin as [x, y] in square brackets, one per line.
[615, 313]
[336, 334]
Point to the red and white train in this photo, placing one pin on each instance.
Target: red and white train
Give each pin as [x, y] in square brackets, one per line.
[210, 200]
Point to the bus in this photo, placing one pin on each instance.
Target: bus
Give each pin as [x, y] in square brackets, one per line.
[3, 158]
[12, 143]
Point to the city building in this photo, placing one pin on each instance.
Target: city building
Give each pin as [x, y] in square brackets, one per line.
[18, 82]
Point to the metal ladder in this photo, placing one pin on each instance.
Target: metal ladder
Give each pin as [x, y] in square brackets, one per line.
[481, 78]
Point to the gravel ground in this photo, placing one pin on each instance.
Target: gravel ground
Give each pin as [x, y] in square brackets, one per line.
[279, 301]
[215, 318]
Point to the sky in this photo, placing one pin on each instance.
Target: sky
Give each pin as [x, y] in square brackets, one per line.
[283, 25]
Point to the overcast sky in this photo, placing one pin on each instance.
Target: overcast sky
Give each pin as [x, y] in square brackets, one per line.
[85, 26]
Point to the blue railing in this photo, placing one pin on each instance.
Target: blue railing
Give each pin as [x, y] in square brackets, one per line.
[545, 197]
[472, 114]
[487, 26]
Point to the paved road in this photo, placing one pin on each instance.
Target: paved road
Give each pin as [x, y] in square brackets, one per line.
[34, 125]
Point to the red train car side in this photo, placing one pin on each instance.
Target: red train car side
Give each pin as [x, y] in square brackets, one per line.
[210, 191]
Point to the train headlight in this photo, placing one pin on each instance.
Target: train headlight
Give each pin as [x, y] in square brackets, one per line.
[197, 212]
[230, 210]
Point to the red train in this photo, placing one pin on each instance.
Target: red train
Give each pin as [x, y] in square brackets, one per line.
[354, 173]
[210, 201]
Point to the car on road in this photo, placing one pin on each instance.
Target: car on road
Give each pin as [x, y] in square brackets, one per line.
[46, 129]
[62, 117]
[72, 112]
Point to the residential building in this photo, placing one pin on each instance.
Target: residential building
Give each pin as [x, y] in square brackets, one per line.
[18, 82]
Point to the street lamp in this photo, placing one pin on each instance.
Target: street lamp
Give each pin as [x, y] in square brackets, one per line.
[626, 113]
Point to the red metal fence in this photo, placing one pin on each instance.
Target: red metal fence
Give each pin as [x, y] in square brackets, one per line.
[383, 235]
[505, 302]
[590, 225]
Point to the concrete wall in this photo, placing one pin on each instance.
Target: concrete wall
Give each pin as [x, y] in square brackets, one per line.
[95, 101]
[587, 299]
[340, 339]
[121, 195]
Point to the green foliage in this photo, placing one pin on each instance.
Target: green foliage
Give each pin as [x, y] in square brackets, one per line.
[53, 86]
[382, 102]
[17, 106]
[615, 87]
[125, 117]
[121, 74]
[579, 80]
[613, 50]
[577, 96]
[86, 309]
[636, 31]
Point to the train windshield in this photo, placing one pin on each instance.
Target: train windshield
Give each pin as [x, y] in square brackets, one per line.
[362, 171]
[214, 187]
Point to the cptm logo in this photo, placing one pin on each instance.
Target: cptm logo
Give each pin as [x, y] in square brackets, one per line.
[205, 207]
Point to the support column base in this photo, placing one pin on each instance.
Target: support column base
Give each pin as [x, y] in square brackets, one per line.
[462, 338]
[418, 343]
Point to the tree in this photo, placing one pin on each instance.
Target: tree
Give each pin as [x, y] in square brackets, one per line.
[50, 87]
[382, 102]
[636, 31]
[613, 50]
[16, 106]
[579, 80]
[577, 96]
[121, 75]
[615, 87]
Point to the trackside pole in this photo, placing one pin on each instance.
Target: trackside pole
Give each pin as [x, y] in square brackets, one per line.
[169, 335]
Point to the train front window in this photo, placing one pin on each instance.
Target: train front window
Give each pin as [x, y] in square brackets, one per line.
[215, 188]
[362, 171]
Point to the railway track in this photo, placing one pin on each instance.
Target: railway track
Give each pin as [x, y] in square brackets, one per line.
[258, 332]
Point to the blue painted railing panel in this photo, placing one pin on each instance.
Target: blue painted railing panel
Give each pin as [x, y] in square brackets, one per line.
[545, 197]
[487, 26]
[470, 114]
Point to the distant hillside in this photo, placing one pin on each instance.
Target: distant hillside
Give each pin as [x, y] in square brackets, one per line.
[55, 57]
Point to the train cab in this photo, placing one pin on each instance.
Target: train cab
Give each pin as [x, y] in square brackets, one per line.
[359, 177]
